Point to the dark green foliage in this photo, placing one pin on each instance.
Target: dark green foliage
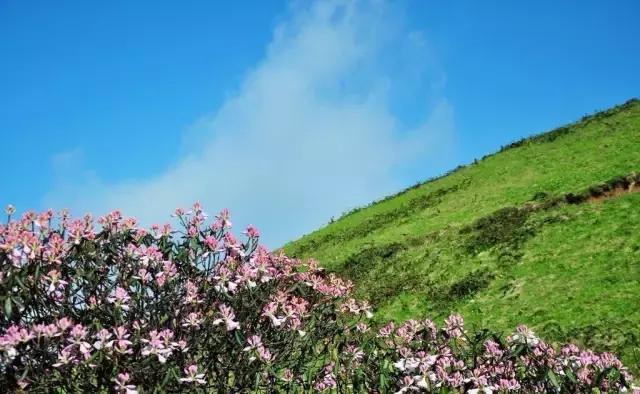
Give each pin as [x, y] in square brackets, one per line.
[540, 196]
[469, 285]
[505, 226]
[572, 198]
[359, 264]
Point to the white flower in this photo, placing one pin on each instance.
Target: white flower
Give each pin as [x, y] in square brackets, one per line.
[485, 390]
[409, 364]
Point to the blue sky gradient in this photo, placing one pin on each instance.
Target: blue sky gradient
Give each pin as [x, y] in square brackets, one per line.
[105, 105]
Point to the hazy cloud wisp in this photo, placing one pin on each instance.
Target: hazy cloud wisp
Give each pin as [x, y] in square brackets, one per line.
[309, 134]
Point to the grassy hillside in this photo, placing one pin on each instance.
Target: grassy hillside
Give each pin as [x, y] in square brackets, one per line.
[546, 232]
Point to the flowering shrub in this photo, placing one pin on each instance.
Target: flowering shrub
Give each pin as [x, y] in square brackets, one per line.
[124, 309]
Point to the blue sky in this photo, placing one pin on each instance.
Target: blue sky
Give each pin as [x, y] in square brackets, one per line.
[287, 112]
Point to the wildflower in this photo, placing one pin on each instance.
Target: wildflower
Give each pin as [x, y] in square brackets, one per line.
[226, 317]
[122, 342]
[211, 242]
[120, 298]
[252, 232]
[64, 357]
[454, 326]
[524, 335]
[193, 319]
[46, 330]
[103, 337]
[264, 354]
[407, 364]
[412, 383]
[55, 283]
[156, 346]
[355, 353]
[254, 342]
[386, 330]
[121, 385]
[64, 323]
[326, 380]
[191, 296]
[223, 218]
[483, 390]
[192, 375]
[269, 311]
[508, 384]
[492, 349]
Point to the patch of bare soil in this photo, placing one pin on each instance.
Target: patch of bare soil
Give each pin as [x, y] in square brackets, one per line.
[615, 192]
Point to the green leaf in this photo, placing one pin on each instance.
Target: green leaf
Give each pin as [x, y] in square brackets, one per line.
[168, 375]
[7, 307]
[237, 335]
[553, 378]
[20, 282]
[519, 350]
[571, 375]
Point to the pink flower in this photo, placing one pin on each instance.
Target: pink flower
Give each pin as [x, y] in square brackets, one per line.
[103, 337]
[386, 330]
[254, 342]
[191, 296]
[121, 384]
[54, 281]
[22, 383]
[226, 317]
[223, 218]
[64, 357]
[264, 354]
[64, 323]
[525, 336]
[120, 298]
[192, 375]
[193, 319]
[412, 383]
[46, 330]
[77, 333]
[269, 311]
[211, 242]
[492, 349]
[252, 231]
[122, 342]
[156, 346]
[454, 326]
[161, 279]
[326, 380]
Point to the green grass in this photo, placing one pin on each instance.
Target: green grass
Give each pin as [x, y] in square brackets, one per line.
[498, 242]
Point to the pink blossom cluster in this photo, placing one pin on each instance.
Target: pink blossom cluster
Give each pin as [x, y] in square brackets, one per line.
[111, 306]
[431, 360]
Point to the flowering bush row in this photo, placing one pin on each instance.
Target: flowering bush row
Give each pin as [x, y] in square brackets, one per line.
[114, 307]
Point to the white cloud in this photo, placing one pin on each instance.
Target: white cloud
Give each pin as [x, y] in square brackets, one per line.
[310, 133]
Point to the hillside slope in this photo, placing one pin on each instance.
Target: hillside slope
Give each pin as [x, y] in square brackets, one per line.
[546, 232]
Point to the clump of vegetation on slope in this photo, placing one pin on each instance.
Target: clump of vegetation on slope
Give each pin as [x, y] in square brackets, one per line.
[546, 231]
[125, 309]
